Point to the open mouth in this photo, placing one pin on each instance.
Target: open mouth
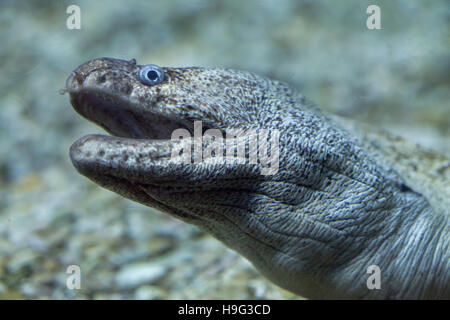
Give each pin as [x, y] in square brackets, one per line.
[121, 118]
[136, 159]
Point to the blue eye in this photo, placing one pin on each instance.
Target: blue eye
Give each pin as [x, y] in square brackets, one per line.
[151, 74]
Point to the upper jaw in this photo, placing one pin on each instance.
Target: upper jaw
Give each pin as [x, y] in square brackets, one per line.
[80, 74]
[106, 92]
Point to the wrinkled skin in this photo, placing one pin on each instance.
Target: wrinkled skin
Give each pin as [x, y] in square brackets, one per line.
[332, 209]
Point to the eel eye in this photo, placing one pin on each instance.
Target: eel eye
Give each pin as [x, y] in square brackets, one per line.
[151, 74]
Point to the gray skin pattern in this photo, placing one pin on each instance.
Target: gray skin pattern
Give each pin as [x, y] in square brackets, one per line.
[345, 196]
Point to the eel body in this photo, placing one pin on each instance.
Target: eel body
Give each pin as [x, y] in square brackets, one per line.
[341, 198]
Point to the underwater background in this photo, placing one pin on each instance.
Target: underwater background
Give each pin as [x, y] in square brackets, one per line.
[51, 217]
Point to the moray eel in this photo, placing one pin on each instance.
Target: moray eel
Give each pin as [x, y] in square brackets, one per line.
[343, 200]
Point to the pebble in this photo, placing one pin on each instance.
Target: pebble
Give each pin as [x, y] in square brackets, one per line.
[148, 292]
[135, 275]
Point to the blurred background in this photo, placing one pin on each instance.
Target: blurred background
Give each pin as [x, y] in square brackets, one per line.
[51, 217]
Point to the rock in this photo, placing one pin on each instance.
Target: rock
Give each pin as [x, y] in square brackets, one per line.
[150, 293]
[135, 275]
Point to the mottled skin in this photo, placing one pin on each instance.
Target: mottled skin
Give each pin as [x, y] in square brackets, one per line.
[338, 204]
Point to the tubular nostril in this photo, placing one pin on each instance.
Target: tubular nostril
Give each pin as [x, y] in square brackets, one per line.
[78, 77]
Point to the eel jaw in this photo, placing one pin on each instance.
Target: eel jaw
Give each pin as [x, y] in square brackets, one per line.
[138, 140]
[131, 161]
[130, 167]
[122, 118]
[107, 92]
